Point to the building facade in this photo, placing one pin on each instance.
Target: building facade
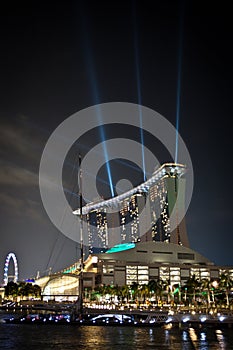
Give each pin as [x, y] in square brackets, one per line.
[130, 263]
[145, 261]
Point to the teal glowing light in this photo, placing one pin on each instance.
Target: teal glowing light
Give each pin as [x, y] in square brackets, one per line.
[70, 270]
[176, 290]
[120, 247]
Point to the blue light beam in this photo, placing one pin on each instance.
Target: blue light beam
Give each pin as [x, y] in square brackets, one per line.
[179, 72]
[139, 95]
[95, 95]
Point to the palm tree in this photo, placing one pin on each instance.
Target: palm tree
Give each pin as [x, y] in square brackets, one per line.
[226, 283]
[144, 292]
[11, 289]
[192, 285]
[115, 291]
[22, 291]
[167, 289]
[152, 285]
[37, 291]
[159, 289]
[134, 290]
[99, 292]
[26, 290]
[206, 286]
[125, 293]
[108, 290]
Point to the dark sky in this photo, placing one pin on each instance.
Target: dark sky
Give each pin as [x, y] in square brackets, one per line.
[59, 58]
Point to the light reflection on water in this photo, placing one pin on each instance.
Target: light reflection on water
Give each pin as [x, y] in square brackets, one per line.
[47, 337]
[220, 338]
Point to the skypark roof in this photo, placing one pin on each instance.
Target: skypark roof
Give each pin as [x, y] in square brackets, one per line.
[120, 247]
[167, 169]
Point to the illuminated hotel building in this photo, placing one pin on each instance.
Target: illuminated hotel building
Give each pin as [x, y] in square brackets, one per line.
[163, 197]
[153, 201]
[97, 229]
[129, 218]
[137, 258]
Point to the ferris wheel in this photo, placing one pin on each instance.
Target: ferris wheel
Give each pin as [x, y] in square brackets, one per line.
[6, 267]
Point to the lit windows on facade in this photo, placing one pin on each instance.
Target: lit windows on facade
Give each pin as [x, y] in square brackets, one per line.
[97, 229]
[102, 228]
[204, 273]
[164, 273]
[175, 275]
[134, 220]
[171, 274]
[124, 220]
[129, 219]
[200, 273]
[131, 275]
[228, 272]
[137, 274]
[195, 271]
[143, 275]
[160, 221]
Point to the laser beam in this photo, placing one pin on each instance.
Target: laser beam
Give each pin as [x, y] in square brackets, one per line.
[95, 95]
[179, 72]
[139, 94]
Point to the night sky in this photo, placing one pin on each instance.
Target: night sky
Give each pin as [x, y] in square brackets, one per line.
[59, 58]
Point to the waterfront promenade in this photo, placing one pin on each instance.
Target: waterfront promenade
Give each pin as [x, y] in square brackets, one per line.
[66, 313]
